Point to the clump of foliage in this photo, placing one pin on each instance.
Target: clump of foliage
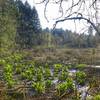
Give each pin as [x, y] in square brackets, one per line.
[61, 88]
[65, 68]
[18, 68]
[81, 66]
[80, 77]
[70, 85]
[2, 62]
[97, 97]
[39, 74]
[28, 72]
[93, 82]
[17, 57]
[57, 69]
[48, 83]
[63, 75]
[8, 75]
[65, 87]
[47, 73]
[39, 87]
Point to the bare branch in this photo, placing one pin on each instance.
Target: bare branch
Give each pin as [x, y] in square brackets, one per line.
[45, 10]
[41, 2]
[78, 18]
[73, 6]
[87, 10]
[92, 5]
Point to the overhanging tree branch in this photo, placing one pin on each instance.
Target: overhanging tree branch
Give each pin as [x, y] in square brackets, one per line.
[89, 9]
[78, 18]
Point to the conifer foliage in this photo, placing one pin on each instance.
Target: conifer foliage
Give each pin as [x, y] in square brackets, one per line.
[28, 25]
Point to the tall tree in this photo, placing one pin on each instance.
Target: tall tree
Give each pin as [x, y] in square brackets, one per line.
[7, 23]
[29, 25]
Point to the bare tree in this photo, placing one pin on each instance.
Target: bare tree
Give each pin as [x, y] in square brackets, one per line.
[88, 10]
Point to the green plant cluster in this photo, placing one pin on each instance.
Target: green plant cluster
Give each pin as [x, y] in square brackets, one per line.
[63, 75]
[57, 69]
[81, 66]
[65, 87]
[97, 97]
[39, 87]
[18, 68]
[8, 75]
[80, 77]
[28, 73]
[47, 73]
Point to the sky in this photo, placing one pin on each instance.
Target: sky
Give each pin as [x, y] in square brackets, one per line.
[52, 13]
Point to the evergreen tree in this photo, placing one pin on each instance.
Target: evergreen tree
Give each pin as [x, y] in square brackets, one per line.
[29, 25]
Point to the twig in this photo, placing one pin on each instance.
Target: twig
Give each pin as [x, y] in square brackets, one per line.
[78, 18]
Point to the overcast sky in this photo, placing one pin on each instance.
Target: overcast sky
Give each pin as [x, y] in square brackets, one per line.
[52, 13]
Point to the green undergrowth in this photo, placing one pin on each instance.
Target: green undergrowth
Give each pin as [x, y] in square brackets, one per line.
[18, 68]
